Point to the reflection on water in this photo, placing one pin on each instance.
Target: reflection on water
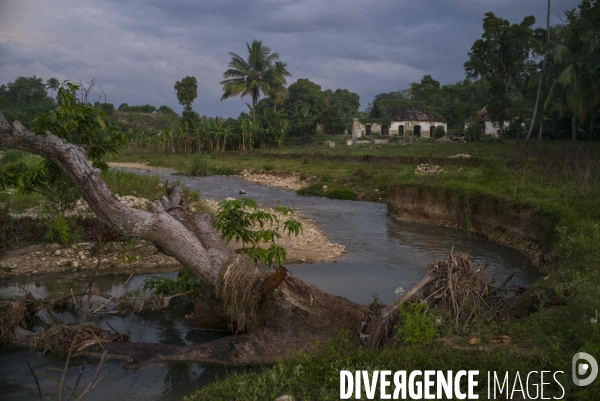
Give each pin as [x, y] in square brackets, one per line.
[382, 254]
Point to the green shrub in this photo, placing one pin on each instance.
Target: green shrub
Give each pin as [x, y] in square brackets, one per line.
[60, 230]
[439, 132]
[341, 193]
[316, 189]
[223, 171]
[199, 167]
[234, 218]
[415, 326]
[185, 282]
[475, 130]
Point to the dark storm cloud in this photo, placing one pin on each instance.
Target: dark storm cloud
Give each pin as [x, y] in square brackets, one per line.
[137, 49]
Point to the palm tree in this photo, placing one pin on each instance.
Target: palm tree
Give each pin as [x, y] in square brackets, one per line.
[539, 89]
[261, 72]
[53, 85]
[573, 83]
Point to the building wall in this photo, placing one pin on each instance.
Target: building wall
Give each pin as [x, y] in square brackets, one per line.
[359, 129]
[490, 130]
[409, 127]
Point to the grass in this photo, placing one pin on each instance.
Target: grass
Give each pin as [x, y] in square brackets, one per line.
[19, 203]
[316, 376]
[129, 183]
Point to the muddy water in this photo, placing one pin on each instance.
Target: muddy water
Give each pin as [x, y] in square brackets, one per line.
[382, 254]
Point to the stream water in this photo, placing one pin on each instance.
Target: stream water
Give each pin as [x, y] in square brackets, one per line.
[382, 254]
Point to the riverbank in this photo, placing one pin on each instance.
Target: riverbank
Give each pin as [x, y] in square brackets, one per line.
[310, 246]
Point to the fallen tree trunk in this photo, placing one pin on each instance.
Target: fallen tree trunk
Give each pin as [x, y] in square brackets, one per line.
[277, 313]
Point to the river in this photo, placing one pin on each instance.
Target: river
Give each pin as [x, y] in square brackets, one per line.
[381, 255]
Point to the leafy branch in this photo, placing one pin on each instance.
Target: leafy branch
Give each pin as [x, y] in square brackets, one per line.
[236, 218]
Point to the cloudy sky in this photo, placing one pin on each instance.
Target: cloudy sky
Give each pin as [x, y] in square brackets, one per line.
[137, 49]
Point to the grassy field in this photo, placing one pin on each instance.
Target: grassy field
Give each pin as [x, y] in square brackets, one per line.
[560, 180]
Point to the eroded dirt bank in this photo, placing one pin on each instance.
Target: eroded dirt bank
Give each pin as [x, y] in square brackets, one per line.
[516, 226]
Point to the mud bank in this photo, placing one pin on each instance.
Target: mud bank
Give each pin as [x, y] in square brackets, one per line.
[517, 226]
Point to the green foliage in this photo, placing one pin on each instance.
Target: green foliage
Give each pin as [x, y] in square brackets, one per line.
[60, 230]
[108, 108]
[475, 130]
[129, 183]
[316, 189]
[77, 122]
[501, 56]
[24, 99]
[146, 108]
[439, 132]
[199, 167]
[316, 376]
[260, 72]
[187, 91]
[82, 124]
[235, 219]
[164, 109]
[58, 189]
[415, 325]
[345, 101]
[186, 282]
[307, 95]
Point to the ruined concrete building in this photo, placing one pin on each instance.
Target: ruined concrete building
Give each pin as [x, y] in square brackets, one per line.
[489, 128]
[399, 117]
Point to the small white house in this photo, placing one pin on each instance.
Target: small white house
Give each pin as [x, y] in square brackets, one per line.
[412, 119]
[491, 129]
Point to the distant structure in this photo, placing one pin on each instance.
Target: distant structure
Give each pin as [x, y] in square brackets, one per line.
[399, 117]
[483, 117]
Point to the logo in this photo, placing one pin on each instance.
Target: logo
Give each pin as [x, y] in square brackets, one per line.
[582, 369]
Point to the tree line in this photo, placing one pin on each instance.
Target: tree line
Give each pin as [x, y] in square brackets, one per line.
[535, 79]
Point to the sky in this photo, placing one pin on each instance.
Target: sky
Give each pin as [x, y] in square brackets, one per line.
[137, 49]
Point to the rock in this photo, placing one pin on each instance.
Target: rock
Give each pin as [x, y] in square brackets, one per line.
[242, 192]
[58, 252]
[324, 188]
[229, 199]
[330, 144]
[376, 190]
[285, 398]
[75, 264]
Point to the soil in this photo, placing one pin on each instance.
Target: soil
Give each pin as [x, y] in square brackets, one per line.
[517, 227]
[279, 179]
[143, 166]
[311, 245]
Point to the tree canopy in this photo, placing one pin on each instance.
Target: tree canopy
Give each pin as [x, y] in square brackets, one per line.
[187, 91]
[24, 99]
[502, 55]
[260, 73]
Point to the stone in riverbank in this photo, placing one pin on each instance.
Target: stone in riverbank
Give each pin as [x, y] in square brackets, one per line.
[277, 179]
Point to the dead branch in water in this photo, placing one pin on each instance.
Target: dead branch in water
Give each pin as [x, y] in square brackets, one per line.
[451, 284]
[458, 287]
